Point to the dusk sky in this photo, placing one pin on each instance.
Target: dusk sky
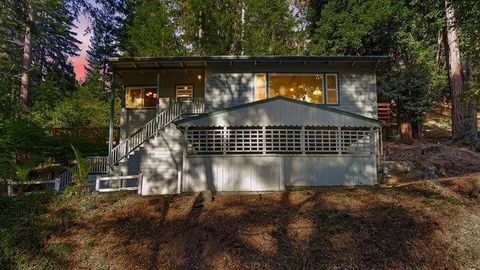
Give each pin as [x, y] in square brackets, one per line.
[80, 61]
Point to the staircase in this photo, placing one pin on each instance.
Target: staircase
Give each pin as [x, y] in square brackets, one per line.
[152, 127]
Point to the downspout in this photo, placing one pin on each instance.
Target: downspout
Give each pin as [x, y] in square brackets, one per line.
[112, 119]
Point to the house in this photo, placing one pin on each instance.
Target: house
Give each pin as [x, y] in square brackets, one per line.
[246, 123]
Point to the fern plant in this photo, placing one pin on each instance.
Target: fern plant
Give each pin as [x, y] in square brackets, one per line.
[79, 174]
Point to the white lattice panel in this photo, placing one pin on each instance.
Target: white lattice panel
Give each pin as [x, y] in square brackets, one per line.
[274, 140]
[283, 140]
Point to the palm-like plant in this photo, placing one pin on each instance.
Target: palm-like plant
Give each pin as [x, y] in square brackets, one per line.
[80, 173]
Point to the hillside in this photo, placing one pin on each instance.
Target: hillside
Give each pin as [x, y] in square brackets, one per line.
[429, 224]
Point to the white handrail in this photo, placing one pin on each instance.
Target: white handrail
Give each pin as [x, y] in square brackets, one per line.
[162, 119]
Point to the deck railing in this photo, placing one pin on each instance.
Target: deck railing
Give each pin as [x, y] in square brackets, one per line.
[152, 127]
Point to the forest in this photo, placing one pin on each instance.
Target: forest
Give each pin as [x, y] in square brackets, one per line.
[432, 48]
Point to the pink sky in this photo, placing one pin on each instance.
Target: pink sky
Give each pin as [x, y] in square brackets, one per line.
[80, 61]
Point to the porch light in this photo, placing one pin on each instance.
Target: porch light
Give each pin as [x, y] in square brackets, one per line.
[199, 77]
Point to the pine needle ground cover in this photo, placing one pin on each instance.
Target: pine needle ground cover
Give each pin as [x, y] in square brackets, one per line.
[429, 224]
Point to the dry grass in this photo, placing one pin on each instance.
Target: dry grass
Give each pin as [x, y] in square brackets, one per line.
[432, 224]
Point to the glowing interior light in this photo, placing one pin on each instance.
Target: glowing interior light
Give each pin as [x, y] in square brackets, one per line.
[199, 77]
[317, 92]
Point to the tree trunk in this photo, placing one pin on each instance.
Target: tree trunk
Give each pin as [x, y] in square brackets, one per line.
[470, 106]
[27, 60]
[406, 132]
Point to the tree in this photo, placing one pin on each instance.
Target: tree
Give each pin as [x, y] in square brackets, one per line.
[27, 58]
[464, 115]
[107, 26]
[151, 30]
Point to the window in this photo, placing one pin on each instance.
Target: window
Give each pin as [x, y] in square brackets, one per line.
[260, 86]
[141, 97]
[184, 92]
[305, 87]
[150, 97]
[332, 89]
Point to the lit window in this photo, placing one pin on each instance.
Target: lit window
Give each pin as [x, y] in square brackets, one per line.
[150, 97]
[184, 92]
[141, 98]
[305, 87]
[260, 86]
[332, 89]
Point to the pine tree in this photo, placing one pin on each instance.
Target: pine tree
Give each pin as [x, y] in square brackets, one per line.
[107, 25]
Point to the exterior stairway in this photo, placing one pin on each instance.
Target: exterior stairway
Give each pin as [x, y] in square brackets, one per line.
[154, 127]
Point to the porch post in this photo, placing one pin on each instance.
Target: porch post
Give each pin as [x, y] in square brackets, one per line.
[112, 119]
[158, 92]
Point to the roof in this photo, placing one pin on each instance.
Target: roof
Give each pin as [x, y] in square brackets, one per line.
[279, 111]
[184, 62]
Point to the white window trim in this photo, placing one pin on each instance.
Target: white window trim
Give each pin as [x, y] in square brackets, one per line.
[327, 89]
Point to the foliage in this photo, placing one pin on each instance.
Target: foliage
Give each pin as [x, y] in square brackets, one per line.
[22, 141]
[404, 31]
[151, 32]
[79, 174]
[355, 27]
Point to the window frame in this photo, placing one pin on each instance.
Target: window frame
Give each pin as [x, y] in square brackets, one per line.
[143, 97]
[185, 84]
[337, 89]
[324, 75]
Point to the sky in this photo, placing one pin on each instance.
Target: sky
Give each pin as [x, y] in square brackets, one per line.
[79, 62]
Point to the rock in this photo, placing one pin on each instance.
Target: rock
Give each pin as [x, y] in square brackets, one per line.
[399, 167]
[432, 171]
[206, 196]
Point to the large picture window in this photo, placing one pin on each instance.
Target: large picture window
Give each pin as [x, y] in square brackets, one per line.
[141, 97]
[306, 87]
[314, 88]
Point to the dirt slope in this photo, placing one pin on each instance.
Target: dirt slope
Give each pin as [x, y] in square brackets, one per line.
[432, 224]
[425, 160]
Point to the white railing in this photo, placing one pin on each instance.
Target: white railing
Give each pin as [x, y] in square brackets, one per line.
[117, 183]
[99, 164]
[152, 127]
[52, 184]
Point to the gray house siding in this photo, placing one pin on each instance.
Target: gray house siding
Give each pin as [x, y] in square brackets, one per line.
[273, 173]
[281, 112]
[226, 87]
[225, 90]
[160, 161]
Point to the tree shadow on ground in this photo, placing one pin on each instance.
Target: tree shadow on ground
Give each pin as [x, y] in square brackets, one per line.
[309, 229]
[27, 225]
